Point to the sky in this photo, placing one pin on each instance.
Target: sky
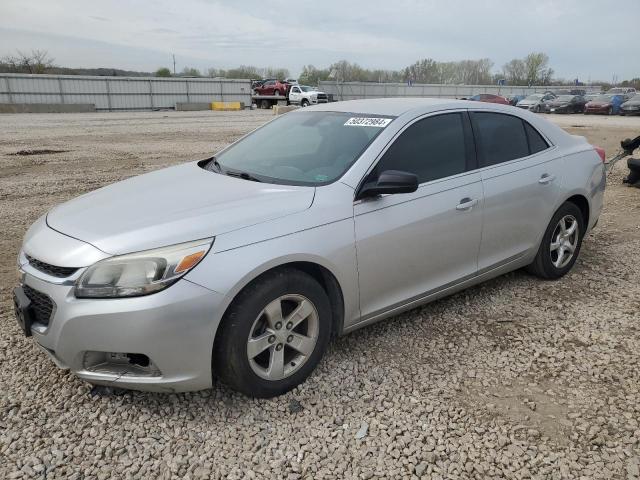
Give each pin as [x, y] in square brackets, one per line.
[583, 38]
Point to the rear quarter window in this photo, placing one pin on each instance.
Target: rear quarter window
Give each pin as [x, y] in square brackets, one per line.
[536, 142]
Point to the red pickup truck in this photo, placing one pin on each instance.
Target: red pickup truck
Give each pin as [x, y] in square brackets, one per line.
[273, 87]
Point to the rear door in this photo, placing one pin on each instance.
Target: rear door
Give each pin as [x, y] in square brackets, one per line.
[521, 179]
[409, 245]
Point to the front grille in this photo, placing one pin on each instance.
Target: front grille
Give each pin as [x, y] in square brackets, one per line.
[53, 270]
[41, 305]
[322, 96]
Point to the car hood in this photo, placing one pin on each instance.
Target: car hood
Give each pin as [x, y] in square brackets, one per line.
[561, 103]
[528, 102]
[598, 104]
[173, 205]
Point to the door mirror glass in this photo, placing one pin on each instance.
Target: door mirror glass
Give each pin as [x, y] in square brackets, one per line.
[389, 182]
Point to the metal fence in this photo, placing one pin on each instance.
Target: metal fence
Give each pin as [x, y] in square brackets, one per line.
[120, 93]
[357, 90]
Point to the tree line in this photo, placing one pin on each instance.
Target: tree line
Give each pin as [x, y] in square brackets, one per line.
[533, 69]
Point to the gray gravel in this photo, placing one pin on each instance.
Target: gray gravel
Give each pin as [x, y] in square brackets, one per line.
[516, 378]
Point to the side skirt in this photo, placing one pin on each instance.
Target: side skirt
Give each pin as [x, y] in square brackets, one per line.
[491, 272]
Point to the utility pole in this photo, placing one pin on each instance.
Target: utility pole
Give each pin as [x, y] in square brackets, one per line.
[174, 64]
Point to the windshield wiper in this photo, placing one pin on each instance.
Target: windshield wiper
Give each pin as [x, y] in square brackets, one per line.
[243, 175]
[214, 166]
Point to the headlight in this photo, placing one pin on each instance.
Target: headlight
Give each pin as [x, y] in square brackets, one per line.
[140, 273]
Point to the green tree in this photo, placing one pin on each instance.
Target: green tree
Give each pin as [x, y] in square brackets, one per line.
[190, 72]
[163, 72]
[37, 62]
[312, 76]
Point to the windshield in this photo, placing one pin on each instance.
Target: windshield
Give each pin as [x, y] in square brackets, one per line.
[603, 98]
[564, 98]
[303, 148]
[306, 89]
[616, 90]
[537, 96]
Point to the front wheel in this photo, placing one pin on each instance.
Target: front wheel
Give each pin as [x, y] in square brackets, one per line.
[305, 103]
[274, 334]
[560, 244]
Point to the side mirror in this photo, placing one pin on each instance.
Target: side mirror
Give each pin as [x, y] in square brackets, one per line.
[389, 181]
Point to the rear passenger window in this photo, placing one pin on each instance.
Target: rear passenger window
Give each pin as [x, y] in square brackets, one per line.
[432, 148]
[536, 142]
[501, 137]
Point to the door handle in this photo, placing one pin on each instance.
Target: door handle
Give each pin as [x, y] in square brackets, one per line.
[467, 204]
[546, 179]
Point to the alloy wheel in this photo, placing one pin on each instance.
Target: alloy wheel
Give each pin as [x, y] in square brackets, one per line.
[283, 337]
[564, 241]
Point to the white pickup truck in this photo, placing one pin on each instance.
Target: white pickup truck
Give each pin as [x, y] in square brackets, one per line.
[304, 96]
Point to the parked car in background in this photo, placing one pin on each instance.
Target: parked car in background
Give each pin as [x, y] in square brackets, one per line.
[514, 99]
[305, 96]
[590, 96]
[574, 91]
[631, 106]
[489, 98]
[628, 92]
[605, 104]
[272, 87]
[258, 83]
[565, 104]
[243, 266]
[535, 101]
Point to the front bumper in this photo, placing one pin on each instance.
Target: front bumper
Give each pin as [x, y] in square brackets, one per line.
[596, 110]
[173, 328]
[560, 109]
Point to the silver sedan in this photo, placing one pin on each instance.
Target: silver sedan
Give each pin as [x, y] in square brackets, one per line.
[242, 266]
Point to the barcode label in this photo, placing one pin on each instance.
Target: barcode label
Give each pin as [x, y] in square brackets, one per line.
[368, 122]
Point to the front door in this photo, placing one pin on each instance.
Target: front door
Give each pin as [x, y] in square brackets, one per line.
[410, 245]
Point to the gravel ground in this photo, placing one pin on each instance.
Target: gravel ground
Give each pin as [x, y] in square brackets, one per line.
[516, 378]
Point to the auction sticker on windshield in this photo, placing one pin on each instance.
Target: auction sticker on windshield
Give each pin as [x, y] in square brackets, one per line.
[368, 122]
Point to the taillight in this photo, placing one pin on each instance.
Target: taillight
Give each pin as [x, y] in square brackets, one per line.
[601, 153]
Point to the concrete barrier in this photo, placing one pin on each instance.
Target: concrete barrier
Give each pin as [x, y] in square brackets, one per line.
[192, 106]
[280, 109]
[227, 106]
[47, 107]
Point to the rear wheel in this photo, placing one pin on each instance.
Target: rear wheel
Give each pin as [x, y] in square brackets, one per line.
[274, 334]
[560, 244]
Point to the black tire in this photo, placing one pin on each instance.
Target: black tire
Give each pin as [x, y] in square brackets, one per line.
[609, 110]
[304, 103]
[265, 105]
[542, 266]
[230, 360]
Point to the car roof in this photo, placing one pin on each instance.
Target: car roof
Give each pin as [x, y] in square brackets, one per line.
[393, 106]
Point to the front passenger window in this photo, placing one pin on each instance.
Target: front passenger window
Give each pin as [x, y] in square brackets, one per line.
[431, 148]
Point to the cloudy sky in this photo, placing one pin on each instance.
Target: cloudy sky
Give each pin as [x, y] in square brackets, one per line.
[583, 38]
